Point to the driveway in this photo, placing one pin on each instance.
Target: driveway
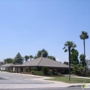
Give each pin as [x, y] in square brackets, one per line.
[14, 78]
[11, 81]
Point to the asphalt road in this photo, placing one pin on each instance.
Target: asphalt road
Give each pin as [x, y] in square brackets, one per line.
[48, 89]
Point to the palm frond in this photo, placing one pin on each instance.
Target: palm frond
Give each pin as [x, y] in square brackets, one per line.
[65, 50]
[64, 47]
[84, 35]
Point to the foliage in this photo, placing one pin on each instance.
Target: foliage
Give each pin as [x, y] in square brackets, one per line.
[82, 60]
[26, 69]
[38, 73]
[54, 72]
[88, 64]
[35, 57]
[30, 57]
[50, 72]
[66, 63]
[52, 57]
[45, 70]
[84, 35]
[74, 57]
[8, 60]
[43, 53]
[32, 71]
[88, 73]
[26, 58]
[79, 70]
[68, 44]
[33, 68]
[18, 59]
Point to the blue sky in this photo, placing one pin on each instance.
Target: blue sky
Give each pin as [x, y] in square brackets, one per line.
[27, 26]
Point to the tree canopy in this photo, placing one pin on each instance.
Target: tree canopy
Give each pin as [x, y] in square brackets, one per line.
[52, 57]
[82, 56]
[66, 63]
[42, 52]
[8, 60]
[18, 59]
[26, 58]
[31, 57]
[68, 44]
[84, 35]
[74, 57]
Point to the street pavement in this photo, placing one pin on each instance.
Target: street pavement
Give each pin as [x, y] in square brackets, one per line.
[48, 89]
[14, 81]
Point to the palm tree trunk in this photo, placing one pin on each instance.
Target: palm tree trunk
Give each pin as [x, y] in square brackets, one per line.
[84, 53]
[69, 64]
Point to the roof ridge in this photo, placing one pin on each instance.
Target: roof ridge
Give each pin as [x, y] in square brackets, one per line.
[40, 61]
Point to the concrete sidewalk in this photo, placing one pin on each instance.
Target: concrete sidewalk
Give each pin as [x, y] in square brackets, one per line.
[11, 86]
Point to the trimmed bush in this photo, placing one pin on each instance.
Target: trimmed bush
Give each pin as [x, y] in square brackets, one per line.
[54, 72]
[33, 68]
[26, 69]
[32, 72]
[38, 73]
[50, 72]
[45, 70]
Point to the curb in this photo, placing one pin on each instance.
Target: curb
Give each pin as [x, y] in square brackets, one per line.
[75, 86]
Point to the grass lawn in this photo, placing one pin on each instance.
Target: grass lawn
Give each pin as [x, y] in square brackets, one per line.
[73, 80]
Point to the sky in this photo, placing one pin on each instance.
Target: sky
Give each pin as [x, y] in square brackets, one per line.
[27, 26]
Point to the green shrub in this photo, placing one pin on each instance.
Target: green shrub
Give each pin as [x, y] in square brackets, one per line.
[59, 74]
[50, 72]
[33, 68]
[88, 73]
[80, 70]
[54, 72]
[32, 72]
[26, 69]
[45, 70]
[38, 73]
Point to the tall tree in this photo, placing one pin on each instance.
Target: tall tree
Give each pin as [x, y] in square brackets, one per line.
[84, 35]
[8, 60]
[82, 60]
[88, 63]
[30, 57]
[69, 46]
[52, 57]
[26, 58]
[74, 57]
[18, 59]
[42, 52]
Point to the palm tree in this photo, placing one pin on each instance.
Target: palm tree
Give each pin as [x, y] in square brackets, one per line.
[30, 57]
[84, 35]
[26, 58]
[69, 46]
